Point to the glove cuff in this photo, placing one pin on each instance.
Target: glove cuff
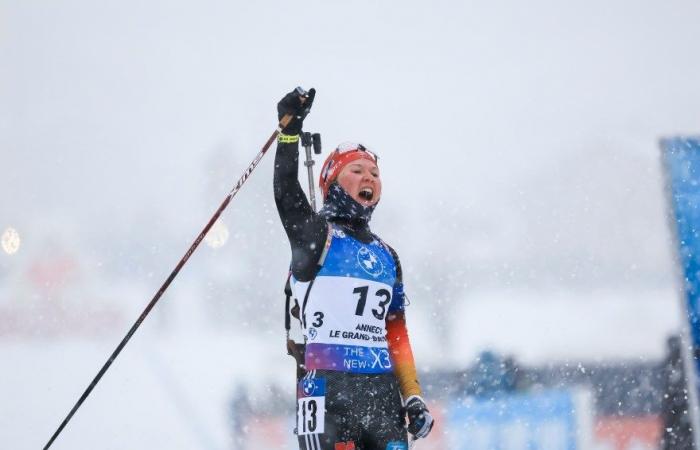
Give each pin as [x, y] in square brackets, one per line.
[405, 403]
[287, 138]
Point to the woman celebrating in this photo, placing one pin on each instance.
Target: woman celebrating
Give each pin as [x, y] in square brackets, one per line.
[358, 361]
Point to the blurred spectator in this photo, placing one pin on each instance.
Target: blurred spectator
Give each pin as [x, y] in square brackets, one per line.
[492, 374]
[677, 434]
[241, 412]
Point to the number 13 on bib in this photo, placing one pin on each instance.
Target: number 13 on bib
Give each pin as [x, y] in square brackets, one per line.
[311, 406]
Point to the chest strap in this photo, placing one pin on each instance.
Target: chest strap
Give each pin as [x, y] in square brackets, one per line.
[293, 348]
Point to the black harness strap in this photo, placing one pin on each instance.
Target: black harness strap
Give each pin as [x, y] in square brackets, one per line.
[297, 350]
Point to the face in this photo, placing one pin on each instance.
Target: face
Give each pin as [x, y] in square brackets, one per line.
[360, 179]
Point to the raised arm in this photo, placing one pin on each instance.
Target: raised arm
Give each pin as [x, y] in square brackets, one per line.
[305, 229]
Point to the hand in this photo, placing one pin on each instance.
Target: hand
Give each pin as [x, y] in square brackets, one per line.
[420, 422]
[292, 104]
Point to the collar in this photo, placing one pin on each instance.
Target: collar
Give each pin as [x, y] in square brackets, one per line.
[340, 207]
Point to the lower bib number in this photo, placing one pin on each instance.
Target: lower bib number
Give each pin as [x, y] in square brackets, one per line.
[310, 415]
[311, 406]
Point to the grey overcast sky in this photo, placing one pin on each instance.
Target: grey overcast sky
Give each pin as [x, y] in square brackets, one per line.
[528, 129]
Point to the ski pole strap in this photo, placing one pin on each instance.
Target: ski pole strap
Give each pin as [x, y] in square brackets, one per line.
[287, 139]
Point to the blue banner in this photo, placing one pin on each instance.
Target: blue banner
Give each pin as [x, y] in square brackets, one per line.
[682, 161]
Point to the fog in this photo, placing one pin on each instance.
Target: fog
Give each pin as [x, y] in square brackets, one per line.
[518, 143]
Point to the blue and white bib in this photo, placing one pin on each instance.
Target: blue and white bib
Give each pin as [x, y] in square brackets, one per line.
[344, 316]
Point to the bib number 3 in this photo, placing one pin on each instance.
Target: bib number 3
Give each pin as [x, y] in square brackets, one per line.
[311, 406]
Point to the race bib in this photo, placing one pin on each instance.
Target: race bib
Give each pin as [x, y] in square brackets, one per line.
[311, 406]
[344, 313]
[342, 310]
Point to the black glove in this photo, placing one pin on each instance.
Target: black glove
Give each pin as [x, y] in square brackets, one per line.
[420, 422]
[292, 104]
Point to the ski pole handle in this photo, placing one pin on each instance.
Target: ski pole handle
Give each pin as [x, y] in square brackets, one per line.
[284, 122]
[303, 96]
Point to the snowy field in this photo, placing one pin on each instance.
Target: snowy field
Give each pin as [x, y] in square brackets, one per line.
[173, 389]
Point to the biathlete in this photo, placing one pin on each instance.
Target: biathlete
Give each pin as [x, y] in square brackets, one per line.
[359, 382]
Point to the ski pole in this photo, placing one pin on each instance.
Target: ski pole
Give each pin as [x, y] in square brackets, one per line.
[307, 141]
[282, 124]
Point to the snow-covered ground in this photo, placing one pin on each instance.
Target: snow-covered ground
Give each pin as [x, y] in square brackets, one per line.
[566, 326]
[161, 392]
[172, 389]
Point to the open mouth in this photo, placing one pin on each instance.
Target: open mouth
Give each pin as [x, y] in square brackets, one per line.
[366, 194]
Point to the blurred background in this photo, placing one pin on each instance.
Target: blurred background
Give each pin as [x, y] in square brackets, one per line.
[523, 190]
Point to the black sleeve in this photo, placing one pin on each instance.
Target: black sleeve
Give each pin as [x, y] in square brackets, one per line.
[307, 232]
